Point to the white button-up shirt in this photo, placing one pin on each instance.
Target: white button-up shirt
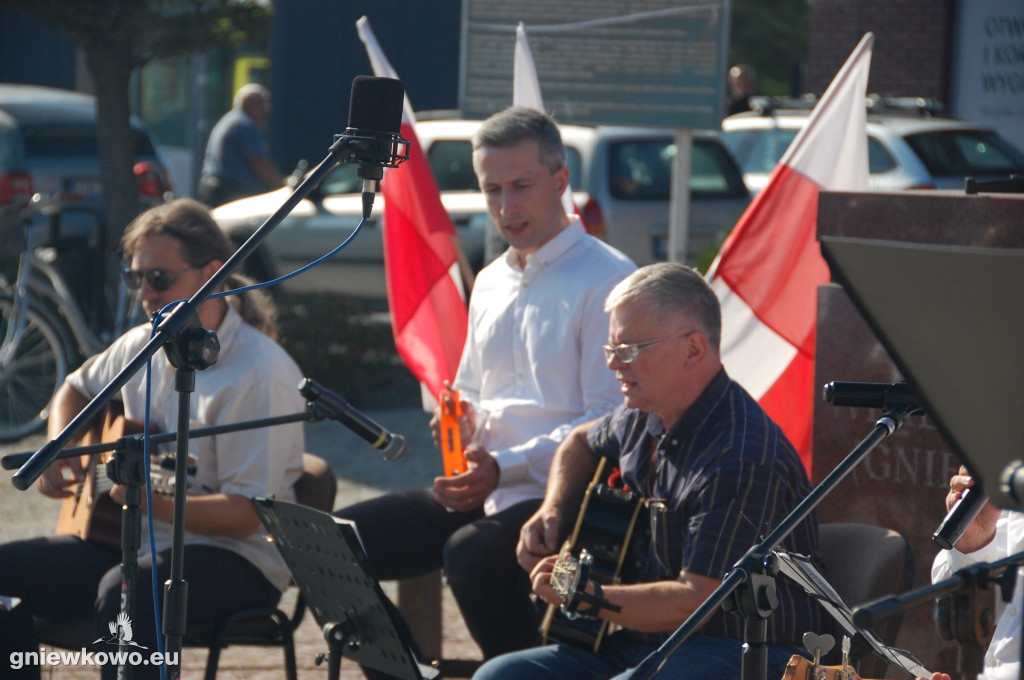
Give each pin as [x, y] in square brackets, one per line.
[533, 357]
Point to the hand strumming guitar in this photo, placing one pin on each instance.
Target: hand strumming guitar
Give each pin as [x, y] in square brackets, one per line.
[539, 538]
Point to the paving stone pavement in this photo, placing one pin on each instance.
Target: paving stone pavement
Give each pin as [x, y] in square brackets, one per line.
[361, 472]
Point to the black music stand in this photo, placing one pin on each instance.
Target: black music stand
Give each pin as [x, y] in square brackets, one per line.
[330, 567]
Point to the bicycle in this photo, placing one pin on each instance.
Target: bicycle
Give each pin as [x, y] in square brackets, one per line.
[47, 322]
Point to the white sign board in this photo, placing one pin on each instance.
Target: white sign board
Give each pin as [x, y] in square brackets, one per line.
[988, 66]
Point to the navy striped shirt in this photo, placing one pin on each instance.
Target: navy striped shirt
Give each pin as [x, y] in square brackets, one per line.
[727, 477]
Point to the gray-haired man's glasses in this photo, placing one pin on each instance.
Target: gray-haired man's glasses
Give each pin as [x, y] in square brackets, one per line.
[627, 353]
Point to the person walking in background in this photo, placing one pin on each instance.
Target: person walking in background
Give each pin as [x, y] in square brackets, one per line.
[742, 86]
[236, 164]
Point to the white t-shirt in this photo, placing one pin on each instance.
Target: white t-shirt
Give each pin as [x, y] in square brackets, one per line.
[1002, 659]
[533, 357]
[253, 378]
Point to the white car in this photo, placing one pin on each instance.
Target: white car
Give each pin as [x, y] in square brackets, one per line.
[908, 147]
[620, 178]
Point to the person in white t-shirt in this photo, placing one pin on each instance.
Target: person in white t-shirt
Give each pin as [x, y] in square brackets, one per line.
[993, 535]
[172, 250]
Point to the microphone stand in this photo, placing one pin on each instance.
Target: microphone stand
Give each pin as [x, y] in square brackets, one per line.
[749, 588]
[959, 617]
[187, 354]
[127, 467]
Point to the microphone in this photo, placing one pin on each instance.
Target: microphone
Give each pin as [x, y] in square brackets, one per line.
[391, 446]
[871, 395]
[959, 517]
[373, 137]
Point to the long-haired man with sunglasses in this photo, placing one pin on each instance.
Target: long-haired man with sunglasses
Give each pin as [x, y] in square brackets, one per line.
[172, 250]
[716, 473]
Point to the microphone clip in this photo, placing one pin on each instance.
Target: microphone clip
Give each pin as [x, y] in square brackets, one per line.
[372, 151]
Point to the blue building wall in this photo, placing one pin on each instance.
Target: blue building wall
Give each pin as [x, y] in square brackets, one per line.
[35, 54]
[316, 53]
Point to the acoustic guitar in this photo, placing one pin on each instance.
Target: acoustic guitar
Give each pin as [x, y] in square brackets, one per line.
[90, 513]
[604, 530]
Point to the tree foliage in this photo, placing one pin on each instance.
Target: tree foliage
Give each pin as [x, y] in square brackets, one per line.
[772, 36]
[116, 37]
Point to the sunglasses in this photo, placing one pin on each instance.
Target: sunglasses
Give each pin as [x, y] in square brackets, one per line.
[159, 279]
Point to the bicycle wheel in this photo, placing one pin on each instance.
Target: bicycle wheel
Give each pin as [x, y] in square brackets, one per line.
[30, 371]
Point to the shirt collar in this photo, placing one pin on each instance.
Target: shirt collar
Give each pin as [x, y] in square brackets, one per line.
[559, 243]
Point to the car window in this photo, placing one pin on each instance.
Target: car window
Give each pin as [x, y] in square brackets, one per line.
[758, 150]
[342, 180]
[962, 153]
[641, 170]
[74, 142]
[452, 163]
[879, 158]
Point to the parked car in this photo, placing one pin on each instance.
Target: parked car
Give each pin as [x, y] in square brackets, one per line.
[48, 146]
[909, 146]
[621, 179]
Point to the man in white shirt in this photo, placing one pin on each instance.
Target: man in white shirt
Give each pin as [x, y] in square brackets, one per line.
[993, 535]
[533, 364]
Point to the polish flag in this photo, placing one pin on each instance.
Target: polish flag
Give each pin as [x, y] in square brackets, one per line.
[526, 92]
[425, 294]
[767, 273]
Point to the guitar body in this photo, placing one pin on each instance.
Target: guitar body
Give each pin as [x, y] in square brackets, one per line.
[91, 514]
[605, 529]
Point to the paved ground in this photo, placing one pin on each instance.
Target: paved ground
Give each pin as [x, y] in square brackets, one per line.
[362, 473]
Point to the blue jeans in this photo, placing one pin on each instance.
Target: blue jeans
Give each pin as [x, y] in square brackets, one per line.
[699, 658]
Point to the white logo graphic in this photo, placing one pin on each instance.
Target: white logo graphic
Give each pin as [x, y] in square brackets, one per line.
[120, 631]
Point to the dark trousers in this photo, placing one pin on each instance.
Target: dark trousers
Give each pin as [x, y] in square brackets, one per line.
[64, 578]
[409, 534]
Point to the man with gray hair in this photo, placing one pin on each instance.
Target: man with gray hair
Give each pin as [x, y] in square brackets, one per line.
[715, 472]
[532, 363]
[236, 164]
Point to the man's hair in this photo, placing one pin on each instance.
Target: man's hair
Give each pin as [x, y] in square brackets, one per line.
[518, 124]
[672, 288]
[201, 241]
[248, 91]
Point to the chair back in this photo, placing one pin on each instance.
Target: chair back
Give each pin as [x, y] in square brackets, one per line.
[865, 562]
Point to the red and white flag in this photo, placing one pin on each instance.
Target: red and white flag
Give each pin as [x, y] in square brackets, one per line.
[768, 270]
[526, 92]
[428, 311]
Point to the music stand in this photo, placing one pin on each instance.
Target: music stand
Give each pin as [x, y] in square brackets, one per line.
[804, 573]
[326, 558]
[952, 318]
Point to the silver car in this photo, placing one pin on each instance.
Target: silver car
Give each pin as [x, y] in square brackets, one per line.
[48, 146]
[621, 184]
[908, 146]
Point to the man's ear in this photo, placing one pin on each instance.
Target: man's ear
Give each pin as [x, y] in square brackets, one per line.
[696, 347]
[211, 267]
[562, 177]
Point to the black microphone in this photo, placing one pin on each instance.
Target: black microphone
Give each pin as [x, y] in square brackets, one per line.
[959, 517]
[391, 446]
[870, 395]
[373, 137]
